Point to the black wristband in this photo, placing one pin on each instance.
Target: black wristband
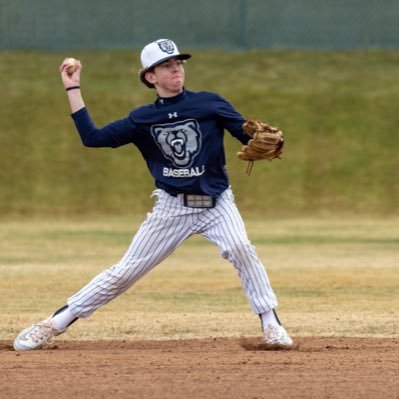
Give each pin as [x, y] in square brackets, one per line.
[72, 88]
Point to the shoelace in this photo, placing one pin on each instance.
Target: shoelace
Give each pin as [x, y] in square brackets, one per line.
[41, 332]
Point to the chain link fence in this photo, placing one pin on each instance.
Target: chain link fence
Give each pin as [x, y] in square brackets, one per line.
[223, 24]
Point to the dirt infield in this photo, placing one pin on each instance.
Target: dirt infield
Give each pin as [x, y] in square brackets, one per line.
[210, 368]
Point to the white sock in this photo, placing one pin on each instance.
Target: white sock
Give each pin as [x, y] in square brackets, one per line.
[269, 318]
[63, 319]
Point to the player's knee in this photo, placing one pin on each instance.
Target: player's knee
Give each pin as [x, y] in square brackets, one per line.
[237, 250]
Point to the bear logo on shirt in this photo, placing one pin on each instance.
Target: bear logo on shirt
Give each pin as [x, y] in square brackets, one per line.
[180, 142]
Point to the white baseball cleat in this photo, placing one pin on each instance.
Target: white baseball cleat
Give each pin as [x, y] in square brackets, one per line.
[37, 335]
[277, 337]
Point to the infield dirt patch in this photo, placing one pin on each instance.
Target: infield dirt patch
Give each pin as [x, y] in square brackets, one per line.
[206, 368]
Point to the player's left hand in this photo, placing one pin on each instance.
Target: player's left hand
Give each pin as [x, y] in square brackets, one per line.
[266, 142]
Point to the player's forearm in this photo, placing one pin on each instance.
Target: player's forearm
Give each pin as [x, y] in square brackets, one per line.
[112, 135]
[75, 100]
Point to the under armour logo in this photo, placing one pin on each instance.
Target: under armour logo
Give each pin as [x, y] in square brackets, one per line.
[172, 115]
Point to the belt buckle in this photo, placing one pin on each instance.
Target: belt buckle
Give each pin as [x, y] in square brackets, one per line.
[199, 201]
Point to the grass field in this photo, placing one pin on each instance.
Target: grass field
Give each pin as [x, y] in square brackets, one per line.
[332, 254]
[333, 277]
[338, 111]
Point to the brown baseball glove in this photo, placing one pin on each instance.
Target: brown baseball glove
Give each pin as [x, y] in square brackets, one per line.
[266, 142]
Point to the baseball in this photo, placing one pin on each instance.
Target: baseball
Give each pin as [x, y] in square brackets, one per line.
[71, 65]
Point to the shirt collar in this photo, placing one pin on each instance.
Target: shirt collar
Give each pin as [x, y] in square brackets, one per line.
[162, 101]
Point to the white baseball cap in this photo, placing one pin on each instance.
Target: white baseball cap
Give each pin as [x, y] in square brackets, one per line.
[159, 51]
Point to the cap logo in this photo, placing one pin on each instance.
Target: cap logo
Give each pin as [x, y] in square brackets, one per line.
[166, 46]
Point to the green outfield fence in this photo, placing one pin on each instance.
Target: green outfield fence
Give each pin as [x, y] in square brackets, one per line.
[222, 24]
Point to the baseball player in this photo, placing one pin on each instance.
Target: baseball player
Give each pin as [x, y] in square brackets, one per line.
[180, 137]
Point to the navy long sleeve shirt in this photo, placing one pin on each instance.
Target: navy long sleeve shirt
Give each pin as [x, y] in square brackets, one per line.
[180, 138]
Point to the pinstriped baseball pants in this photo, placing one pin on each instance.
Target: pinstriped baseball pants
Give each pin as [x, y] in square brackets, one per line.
[164, 229]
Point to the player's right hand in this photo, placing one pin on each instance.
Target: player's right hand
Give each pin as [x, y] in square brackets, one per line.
[70, 80]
